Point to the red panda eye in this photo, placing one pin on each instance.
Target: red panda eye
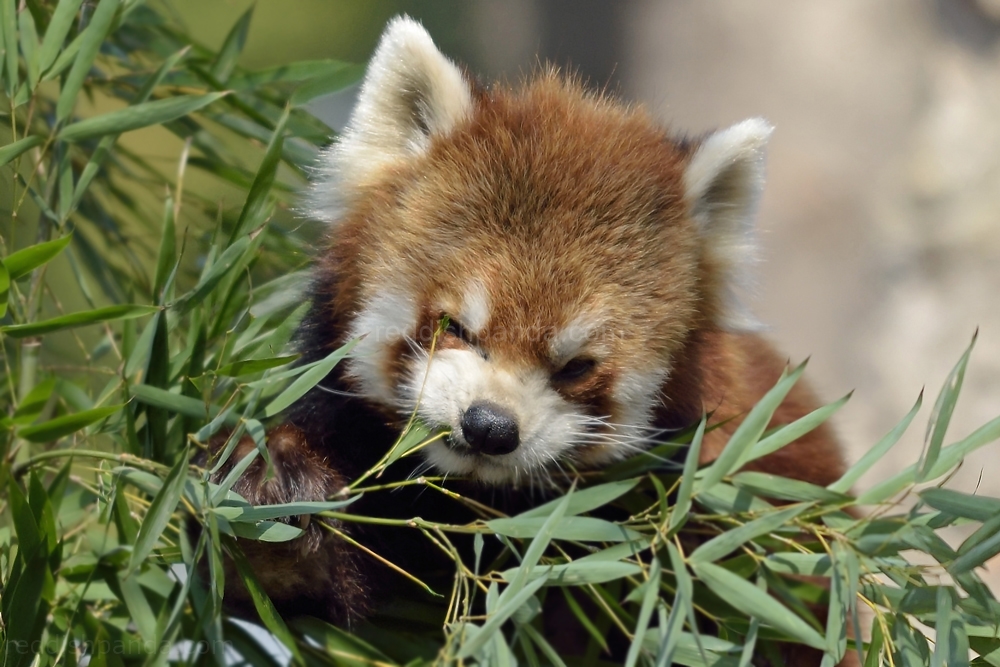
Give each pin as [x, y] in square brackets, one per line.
[455, 329]
[575, 369]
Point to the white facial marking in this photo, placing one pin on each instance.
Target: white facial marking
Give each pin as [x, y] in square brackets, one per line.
[383, 321]
[579, 335]
[475, 311]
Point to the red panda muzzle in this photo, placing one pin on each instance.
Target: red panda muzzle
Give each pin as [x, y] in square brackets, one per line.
[490, 429]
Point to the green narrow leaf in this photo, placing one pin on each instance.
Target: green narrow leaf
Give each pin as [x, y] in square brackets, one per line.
[791, 432]
[232, 47]
[491, 627]
[649, 598]
[160, 510]
[251, 366]
[722, 545]
[265, 608]
[213, 275]
[849, 478]
[255, 209]
[940, 418]
[90, 44]
[329, 82]
[138, 116]
[166, 258]
[585, 500]
[683, 504]
[55, 34]
[980, 508]
[176, 403]
[979, 547]
[749, 431]
[4, 288]
[107, 314]
[29, 46]
[308, 380]
[24, 261]
[777, 487]
[8, 17]
[11, 151]
[31, 405]
[580, 528]
[65, 425]
[752, 601]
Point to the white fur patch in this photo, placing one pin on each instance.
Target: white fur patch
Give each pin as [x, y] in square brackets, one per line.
[383, 321]
[579, 335]
[411, 93]
[475, 311]
[723, 183]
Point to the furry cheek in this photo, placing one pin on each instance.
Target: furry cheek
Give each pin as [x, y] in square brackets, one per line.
[384, 321]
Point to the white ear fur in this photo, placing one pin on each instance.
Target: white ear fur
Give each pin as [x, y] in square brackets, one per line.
[411, 92]
[723, 183]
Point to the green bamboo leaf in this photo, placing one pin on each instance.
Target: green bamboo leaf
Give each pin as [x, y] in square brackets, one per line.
[978, 548]
[843, 596]
[577, 528]
[254, 213]
[950, 457]
[980, 508]
[585, 500]
[722, 545]
[90, 44]
[579, 573]
[12, 150]
[137, 116]
[4, 288]
[749, 431]
[265, 608]
[303, 70]
[750, 600]
[8, 25]
[166, 258]
[413, 435]
[108, 314]
[29, 46]
[782, 488]
[791, 432]
[65, 425]
[139, 609]
[683, 503]
[160, 510]
[232, 47]
[849, 478]
[24, 261]
[254, 513]
[810, 565]
[492, 625]
[340, 643]
[308, 380]
[213, 275]
[143, 348]
[649, 599]
[336, 78]
[944, 406]
[542, 537]
[31, 406]
[266, 531]
[176, 403]
[251, 366]
[55, 34]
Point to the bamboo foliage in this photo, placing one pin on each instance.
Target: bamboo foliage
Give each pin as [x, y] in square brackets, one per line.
[148, 305]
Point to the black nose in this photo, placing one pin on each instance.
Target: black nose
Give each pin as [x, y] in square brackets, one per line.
[490, 429]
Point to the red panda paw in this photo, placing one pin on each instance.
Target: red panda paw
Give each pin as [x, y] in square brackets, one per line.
[316, 573]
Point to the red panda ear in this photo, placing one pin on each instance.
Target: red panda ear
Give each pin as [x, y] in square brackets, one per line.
[410, 93]
[722, 184]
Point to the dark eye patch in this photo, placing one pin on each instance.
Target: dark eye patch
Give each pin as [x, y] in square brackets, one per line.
[455, 328]
[574, 370]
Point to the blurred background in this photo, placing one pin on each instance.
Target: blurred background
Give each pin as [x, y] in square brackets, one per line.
[881, 220]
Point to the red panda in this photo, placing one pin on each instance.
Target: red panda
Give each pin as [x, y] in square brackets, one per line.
[580, 265]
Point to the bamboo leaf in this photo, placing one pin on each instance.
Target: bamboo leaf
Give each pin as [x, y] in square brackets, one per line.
[683, 504]
[8, 25]
[752, 601]
[55, 34]
[849, 478]
[252, 366]
[791, 432]
[59, 427]
[749, 431]
[585, 500]
[337, 77]
[722, 545]
[980, 508]
[4, 288]
[176, 403]
[232, 47]
[308, 380]
[107, 314]
[137, 116]
[12, 150]
[944, 406]
[254, 210]
[578, 528]
[90, 44]
[24, 261]
[160, 510]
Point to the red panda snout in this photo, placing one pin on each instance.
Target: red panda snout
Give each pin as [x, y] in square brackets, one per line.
[490, 428]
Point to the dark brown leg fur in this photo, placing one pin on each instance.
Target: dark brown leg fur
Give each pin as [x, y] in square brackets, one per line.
[316, 574]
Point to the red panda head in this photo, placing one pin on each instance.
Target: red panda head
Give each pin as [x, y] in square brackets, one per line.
[525, 265]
